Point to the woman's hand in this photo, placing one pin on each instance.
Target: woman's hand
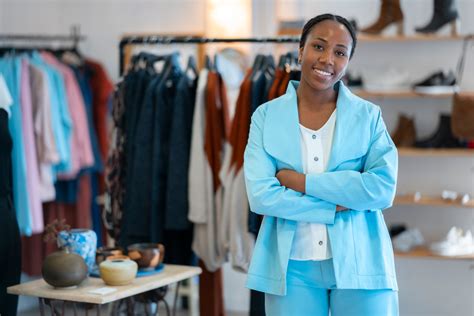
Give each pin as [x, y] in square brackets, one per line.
[292, 180]
[341, 208]
[297, 182]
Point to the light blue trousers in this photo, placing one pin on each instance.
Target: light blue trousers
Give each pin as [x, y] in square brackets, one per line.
[311, 291]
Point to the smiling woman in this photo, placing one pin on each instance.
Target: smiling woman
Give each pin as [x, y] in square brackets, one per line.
[323, 245]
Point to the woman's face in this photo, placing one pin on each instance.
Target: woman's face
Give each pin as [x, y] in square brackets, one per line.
[325, 55]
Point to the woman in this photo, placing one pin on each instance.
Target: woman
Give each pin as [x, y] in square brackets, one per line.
[320, 166]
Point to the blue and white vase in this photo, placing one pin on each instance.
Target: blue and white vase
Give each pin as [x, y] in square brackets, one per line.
[80, 241]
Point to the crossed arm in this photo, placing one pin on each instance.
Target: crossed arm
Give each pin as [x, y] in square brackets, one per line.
[282, 194]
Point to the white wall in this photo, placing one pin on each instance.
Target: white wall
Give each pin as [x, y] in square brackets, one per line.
[102, 21]
[427, 287]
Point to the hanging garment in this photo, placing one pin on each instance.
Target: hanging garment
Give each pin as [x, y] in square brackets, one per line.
[10, 247]
[36, 209]
[115, 168]
[177, 201]
[46, 150]
[81, 148]
[205, 186]
[140, 159]
[237, 240]
[60, 115]
[10, 68]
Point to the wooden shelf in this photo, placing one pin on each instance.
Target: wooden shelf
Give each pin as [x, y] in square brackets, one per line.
[423, 252]
[431, 201]
[435, 152]
[410, 38]
[400, 94]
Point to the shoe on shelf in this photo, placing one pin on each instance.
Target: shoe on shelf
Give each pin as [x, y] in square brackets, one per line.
[396, 229]
[390, 12]
[455, 243]
[445, 12]
[442, 137]
[405, 133]
[408, 239]
[437, 83]
[352, 80]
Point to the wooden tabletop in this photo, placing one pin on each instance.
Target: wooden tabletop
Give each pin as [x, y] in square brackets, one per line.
[170, 274]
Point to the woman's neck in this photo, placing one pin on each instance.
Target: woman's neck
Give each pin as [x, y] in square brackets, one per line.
[315, 100]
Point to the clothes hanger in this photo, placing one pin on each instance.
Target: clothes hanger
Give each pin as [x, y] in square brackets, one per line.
[191, 67]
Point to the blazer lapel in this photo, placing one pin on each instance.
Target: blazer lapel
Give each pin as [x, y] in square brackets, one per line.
[281, 135]
[350, 139]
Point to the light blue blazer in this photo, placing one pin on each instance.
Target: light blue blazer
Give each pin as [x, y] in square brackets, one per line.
[361, 175]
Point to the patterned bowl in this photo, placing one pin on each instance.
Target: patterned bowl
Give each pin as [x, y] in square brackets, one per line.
[147, 255]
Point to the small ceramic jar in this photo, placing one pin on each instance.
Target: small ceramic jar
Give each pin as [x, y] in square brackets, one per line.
[118, 271]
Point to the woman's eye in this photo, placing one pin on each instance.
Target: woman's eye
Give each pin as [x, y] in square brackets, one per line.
[318, 47]
[341, 53]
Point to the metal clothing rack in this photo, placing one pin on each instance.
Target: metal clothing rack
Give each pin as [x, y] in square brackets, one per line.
[159, 39]
[75, 37]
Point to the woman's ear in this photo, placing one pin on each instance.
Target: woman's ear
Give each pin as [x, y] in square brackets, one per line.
[300, 55]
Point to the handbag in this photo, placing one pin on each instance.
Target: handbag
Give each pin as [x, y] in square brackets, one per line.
[462, 113]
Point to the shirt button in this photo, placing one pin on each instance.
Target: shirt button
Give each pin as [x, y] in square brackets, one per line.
[320, 242]
[314, 136]
[316, 158]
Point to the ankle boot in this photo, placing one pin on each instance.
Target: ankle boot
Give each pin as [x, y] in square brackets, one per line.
[390, 12]
[445, 12]
[405, 133]
[442, 137]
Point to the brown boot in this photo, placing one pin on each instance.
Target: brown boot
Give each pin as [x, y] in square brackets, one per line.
[405, 133]
[390, 12]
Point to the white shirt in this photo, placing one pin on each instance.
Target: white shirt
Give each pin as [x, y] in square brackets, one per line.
[5, 97]
[311, 240]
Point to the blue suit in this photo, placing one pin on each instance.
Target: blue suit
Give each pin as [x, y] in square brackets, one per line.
[361, 176]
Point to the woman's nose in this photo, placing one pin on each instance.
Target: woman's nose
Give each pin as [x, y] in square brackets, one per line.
[326, 57]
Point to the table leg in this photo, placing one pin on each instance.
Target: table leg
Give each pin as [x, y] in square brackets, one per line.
[98, 309]
[176, 294]
[41, 306]
[74, 308]
[51, 306]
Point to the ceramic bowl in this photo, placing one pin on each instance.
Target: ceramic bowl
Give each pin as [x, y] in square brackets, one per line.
[147, 255]
[103, 253]
[118, 271]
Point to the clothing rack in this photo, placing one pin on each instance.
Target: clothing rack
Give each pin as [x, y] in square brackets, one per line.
[159, 39]
[75, 37]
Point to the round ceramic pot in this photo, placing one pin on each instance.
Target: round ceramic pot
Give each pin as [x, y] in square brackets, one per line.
[118, 271]
[80, 241]
[63, 269]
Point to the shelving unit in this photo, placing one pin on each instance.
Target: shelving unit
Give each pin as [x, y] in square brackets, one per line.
[420, 153]
[435, 152]
[431, 201]
[401, 94]
[410, 38]
[424, 252]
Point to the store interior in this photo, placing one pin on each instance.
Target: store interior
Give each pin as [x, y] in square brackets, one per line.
[140, 174]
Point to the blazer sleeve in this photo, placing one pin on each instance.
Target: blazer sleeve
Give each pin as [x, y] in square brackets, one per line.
[374, 188]
[265, 194]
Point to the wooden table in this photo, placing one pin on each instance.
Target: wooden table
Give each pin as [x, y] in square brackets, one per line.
[81, 294]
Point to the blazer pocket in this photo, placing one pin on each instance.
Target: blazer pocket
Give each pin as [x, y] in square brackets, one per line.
[372, 245]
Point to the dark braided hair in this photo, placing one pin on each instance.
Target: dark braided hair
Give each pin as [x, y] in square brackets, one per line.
[311, 23]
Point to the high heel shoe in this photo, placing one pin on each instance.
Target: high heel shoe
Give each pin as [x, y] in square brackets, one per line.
[390, 12]
[445, 12]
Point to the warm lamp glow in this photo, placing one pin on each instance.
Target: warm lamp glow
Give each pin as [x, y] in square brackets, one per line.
[229, 18]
